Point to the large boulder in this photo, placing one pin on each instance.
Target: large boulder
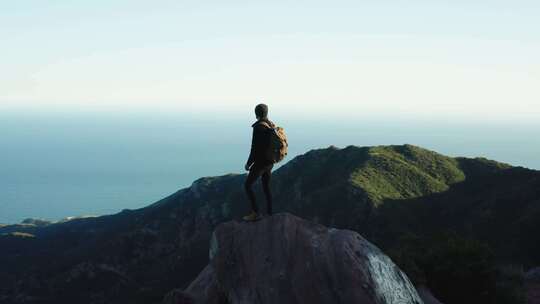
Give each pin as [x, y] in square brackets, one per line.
[285, 259]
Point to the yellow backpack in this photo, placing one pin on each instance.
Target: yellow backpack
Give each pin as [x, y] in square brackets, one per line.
[278, 143]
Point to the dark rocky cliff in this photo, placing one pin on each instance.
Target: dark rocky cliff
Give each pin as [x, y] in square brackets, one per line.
[285, 259]
[398, 197]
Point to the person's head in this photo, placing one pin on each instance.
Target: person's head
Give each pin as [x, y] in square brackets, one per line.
[261, 111]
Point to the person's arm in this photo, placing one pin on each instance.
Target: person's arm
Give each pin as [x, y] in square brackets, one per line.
[257, 144]
[251, 157]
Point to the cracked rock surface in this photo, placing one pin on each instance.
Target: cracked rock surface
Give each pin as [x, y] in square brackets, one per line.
[285, 259]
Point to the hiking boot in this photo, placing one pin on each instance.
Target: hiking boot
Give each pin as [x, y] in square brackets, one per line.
[253, 216]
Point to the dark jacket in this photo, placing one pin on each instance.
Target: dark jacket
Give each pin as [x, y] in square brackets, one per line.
[260, 142]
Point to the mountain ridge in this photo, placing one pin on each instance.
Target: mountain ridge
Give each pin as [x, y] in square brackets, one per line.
[163, 246]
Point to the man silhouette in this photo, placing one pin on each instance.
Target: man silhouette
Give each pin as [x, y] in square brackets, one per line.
[258, 163]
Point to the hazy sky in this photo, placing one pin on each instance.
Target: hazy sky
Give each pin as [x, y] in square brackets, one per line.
[472, 59]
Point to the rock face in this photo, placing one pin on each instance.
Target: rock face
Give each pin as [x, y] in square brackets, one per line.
[384, 193]
[285, 259]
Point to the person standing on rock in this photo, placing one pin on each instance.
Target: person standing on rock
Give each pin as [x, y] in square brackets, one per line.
[268, 146]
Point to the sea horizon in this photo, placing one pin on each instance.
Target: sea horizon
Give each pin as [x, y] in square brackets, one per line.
[59, 165]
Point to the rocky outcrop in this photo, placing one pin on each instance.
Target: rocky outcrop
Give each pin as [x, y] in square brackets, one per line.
[137, 256]
[285, 259]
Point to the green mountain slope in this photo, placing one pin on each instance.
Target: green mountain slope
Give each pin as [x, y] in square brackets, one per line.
[402, 172]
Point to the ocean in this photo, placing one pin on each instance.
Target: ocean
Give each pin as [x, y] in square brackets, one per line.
[56, 165]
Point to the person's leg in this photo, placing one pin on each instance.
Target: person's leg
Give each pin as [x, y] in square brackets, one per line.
[248, 186]
[266, 177]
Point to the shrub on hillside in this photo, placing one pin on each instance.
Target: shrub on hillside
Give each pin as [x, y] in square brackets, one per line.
[458, 270]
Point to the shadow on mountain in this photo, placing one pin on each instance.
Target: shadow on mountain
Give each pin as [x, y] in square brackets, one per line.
[398, 197]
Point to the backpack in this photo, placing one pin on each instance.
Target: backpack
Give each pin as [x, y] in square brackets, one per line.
[278, 145]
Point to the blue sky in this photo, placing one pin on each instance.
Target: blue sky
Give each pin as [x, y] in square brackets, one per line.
[458, 59]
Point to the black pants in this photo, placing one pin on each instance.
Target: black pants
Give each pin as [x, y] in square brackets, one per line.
[265, 171]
